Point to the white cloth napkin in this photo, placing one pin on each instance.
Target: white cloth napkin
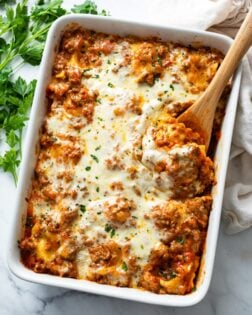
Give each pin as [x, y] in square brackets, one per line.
[237, 204]
[226, 17]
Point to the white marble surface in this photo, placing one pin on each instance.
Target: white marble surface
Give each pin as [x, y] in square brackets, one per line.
[230, 291]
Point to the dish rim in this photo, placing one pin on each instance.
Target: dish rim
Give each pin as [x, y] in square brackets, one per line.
[13, 257]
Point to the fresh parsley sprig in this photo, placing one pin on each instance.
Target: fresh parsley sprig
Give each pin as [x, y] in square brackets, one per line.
[23, 35]
[15, 101]
[88, 7]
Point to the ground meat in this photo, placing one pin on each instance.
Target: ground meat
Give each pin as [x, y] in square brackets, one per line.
[192, 174]
[72, 41]
[148, 62]
[105, 46]
[197, 67]
[49, 193]
[111, 277]
[74, 74]
[115, 163]
[57, 89]
[68, 249]
[119, 211]
[100, 254]
[64, 153]
[116, 186]
[183, 224]
[105, 254]
[66, 175]
[173, 133]
[112, 264]
[61, 61]
[183, 169]
[175, 108]
[169, 273]
[61, 220]
[132, 170]
[81, 102]
[135, 105]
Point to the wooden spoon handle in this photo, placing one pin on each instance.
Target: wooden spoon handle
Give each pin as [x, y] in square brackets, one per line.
[241, 44]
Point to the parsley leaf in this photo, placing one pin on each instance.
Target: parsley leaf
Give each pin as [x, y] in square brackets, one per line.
[180, 240]
[32, 53]
[15, 101]
[9, 162]
[12, 139]
[95, 158]
[14, 122]
[20, 86]
[111, 85]
[124, 266]
[109, 229]
[83, 208]
[88, 7]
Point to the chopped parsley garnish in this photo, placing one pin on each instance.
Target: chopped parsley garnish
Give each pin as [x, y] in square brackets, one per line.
[159, 60]
[110, 229]
[97, 189]
[180, 240]
[168, 274]
[124, 266]
[96, 76]
[95, 158]
[85, 70]
[173, 275]
[98, 148]
[112, 233]
[99, 118]
[29, 221]
[98, 100]
[111, 85]
[83, 208]
[172, 87]
[88, 168]
[108, 62]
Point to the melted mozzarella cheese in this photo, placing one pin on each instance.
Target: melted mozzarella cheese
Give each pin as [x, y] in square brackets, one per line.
[126, 138]
[110, 135]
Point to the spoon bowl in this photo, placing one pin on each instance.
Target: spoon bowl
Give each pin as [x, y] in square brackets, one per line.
[200, 115]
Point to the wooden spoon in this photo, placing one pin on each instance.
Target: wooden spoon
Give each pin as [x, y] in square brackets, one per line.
[200, 115]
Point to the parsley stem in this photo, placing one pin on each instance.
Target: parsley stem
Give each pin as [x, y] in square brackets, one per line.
[20, 142]
[7, 60]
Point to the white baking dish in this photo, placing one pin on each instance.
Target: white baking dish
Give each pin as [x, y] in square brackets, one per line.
[110, 25]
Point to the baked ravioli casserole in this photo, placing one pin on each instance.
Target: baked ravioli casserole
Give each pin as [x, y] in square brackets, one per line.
[121, 192]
